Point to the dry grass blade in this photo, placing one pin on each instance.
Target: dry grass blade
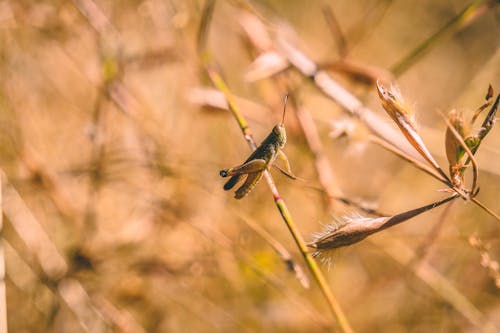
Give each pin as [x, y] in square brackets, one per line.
[121, 319]
[50, 183]
[95, 16]
[265, 65]
[33, 234]
[472, 12]
[206, 18]
[112, 135]
[52, 263]
[78, 300]
[3, 290]
[335, 30]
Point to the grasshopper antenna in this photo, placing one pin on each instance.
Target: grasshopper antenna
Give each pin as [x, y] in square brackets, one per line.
[284, 108]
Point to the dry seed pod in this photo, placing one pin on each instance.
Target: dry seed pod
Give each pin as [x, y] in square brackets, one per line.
[393, 102]
[354, 228]
[403, 116]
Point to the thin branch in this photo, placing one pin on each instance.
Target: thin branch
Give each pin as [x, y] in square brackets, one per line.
[326, 177]
[489, 211]
[3, 290]
[335, 30]
[283, 209]
[422, 166]
[32, 233]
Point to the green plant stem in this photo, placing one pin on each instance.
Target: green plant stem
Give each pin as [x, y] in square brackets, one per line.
[281, 205]
[468, 14]
[313, 266]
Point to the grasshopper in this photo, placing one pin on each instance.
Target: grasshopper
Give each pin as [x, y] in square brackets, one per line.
[259, 161]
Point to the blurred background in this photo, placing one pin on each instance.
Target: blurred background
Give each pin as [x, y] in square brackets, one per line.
[112, 138]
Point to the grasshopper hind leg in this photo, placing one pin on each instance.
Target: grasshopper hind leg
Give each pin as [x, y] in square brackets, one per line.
[248, 185]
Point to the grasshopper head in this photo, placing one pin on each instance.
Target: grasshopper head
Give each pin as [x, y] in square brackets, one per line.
[279, 130]
[280, 133]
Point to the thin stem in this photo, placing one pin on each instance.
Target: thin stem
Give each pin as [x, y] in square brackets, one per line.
[486, 209]
[469, 13]
[325, 173]
[422, 166]
[3, 297]
[281, 205]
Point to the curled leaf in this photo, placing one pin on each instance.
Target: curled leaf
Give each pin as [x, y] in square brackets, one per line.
[488, 97]
[490, 93]
[453, 148]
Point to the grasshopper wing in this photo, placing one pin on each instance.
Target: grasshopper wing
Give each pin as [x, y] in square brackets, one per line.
[249, 184]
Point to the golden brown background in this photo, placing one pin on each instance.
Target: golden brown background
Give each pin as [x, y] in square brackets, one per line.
[114, 213]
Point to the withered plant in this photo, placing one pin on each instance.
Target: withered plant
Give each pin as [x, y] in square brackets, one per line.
[461, 144]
